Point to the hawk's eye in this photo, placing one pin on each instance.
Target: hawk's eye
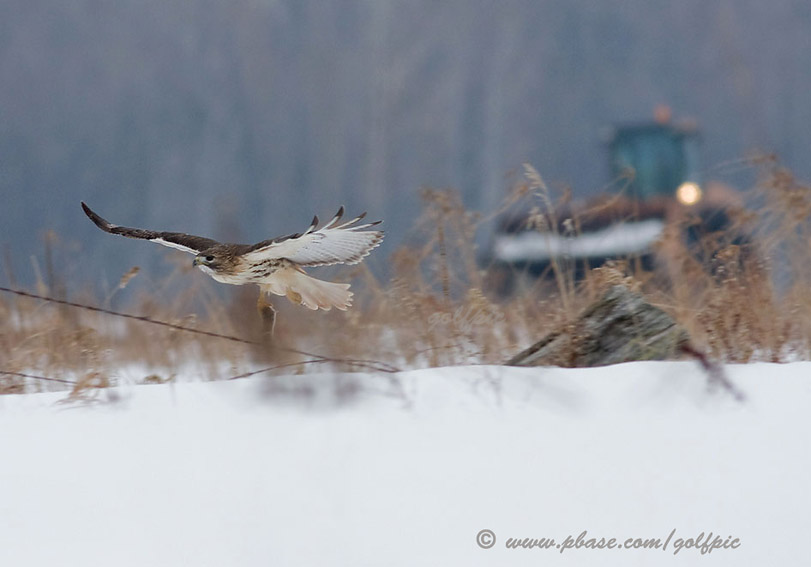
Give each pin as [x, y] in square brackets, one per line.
[209, 258]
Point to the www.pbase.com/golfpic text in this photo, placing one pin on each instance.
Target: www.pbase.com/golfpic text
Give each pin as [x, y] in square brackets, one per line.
[704, 542]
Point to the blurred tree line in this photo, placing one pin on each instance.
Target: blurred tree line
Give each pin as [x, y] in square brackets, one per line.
[241, 119]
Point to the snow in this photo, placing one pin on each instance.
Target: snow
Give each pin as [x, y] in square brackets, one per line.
[363, 469]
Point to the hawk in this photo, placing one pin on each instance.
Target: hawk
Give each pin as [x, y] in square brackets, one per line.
[276, 265]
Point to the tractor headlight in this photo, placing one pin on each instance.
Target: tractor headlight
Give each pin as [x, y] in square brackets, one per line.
[689, 193]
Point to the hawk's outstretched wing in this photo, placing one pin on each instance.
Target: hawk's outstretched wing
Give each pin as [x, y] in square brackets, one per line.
[347, 243]
[186, 242]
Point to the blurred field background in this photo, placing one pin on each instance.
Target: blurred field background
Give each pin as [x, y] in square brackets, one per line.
[239, 121]
[440, 306]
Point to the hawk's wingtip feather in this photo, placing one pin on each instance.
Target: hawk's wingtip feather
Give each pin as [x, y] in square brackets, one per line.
[97, 220]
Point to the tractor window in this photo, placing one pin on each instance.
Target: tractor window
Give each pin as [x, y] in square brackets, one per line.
[657, 155]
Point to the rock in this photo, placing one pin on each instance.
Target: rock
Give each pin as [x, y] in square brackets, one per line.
[619, 327]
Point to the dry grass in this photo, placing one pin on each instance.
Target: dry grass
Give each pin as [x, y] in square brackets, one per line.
[439, 307]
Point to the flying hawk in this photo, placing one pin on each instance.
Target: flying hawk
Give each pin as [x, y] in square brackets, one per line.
[276, 265]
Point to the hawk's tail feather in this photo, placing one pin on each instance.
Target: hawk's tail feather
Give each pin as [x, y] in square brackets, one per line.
[309, 291]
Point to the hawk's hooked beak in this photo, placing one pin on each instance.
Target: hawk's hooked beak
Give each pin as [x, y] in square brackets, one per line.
[196, 261]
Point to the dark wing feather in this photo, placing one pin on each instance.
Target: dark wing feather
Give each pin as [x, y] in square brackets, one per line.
[185, 242]
[278, 239]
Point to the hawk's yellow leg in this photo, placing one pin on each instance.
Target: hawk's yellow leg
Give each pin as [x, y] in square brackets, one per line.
[268, 314]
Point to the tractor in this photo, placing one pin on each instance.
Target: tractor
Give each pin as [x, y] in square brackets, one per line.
[656, 179]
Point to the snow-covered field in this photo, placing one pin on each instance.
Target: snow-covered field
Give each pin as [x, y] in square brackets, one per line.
[357, 469]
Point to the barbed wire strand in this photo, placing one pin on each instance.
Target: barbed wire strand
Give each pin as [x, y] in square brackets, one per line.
[142, 318]
[35, 377]
[317, 358]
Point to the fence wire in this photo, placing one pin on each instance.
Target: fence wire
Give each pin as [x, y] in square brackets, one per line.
[373, 365]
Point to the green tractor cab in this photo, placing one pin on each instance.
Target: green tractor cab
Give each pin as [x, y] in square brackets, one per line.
[658, 160]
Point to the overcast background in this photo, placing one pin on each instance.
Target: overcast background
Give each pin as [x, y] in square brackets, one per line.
[241, 119]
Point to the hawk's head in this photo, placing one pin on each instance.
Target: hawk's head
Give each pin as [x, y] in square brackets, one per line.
[220, 259]
[205, 259]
